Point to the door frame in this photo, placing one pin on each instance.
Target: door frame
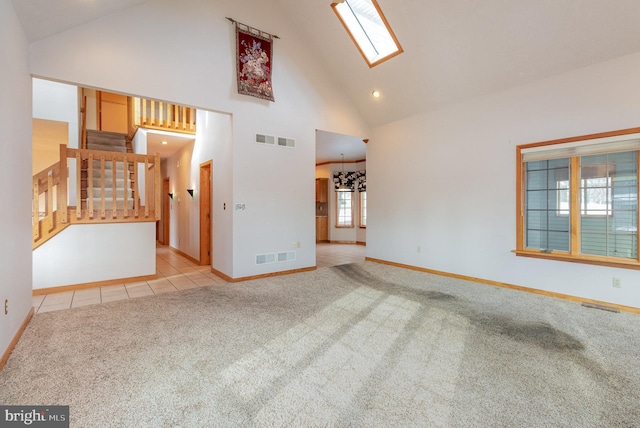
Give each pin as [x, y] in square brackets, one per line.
[206, 196]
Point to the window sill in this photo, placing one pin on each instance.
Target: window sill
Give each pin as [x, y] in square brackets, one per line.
[582, 258]
[344, 227]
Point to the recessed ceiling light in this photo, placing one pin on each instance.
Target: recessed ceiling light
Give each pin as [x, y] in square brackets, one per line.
[375, 94]
[164, 142]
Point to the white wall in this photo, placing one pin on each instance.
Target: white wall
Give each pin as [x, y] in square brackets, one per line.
[15, 174]
[139, 146]
[445, 180]
[212, 143]
[95, 252]
[199, 71]
[59, 102]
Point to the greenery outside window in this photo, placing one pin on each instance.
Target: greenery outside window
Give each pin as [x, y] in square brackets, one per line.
[344, 217]
[577, 199]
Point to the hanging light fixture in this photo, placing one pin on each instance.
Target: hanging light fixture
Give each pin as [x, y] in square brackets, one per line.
[343, 187]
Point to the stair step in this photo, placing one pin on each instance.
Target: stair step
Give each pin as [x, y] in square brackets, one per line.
[108, 166]
[107, 147]
[108, 204]
[108, 184]
[105, 134]
[108, 193]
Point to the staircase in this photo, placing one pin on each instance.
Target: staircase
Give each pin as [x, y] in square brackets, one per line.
[107, 142]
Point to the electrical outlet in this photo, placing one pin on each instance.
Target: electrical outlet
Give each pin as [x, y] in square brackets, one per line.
[617, 283]
[419, 248]
[296, 244]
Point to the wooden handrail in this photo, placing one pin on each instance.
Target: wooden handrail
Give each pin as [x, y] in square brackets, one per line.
[164, 116]
[103, 208]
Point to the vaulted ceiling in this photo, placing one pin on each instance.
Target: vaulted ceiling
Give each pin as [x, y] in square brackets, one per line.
[454, 49]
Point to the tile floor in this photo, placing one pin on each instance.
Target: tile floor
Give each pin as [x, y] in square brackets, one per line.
[175, 273]
[338, 254]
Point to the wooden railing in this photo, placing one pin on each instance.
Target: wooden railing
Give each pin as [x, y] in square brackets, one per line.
[107, 190]
[164, 116]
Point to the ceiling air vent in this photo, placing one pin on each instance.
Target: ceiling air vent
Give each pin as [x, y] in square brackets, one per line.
[265, 139]
[262, 259]
[286, 142]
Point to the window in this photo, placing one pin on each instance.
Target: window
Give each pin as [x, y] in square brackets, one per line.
[578, 199]
[363, 209]
[345, 209]
[369, 30]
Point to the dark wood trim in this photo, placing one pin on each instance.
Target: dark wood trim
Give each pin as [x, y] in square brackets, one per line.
[264, 275]
[85, 285]
[340, 162]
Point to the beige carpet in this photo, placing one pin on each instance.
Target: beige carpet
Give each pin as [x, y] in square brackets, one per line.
[358, 345]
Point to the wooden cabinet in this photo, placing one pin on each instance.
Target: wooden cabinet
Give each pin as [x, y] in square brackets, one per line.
[322, 229]
[322, 199]
[322, 190]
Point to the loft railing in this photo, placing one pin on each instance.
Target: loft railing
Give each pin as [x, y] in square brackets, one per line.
[109, 187]
[160, 115]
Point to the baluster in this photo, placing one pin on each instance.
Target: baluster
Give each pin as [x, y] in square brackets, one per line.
[136, 193]
[192, 116]
[49, 223]
[144, 111]
[146, 185]
[103, 210]
[161, 114]
[184, 117]
[114, 209]
[153, 112]
[63, 201]
[35, 220]
[79, 186]
[176, 116]
[125, 173]
[169, 109]
[90, 187]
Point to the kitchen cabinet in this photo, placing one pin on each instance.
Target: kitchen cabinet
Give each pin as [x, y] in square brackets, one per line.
[322, 190]
[322, 229]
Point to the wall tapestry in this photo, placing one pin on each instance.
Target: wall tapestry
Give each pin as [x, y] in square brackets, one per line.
[254, 62]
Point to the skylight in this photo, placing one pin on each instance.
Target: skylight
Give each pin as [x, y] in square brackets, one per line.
[368, 29]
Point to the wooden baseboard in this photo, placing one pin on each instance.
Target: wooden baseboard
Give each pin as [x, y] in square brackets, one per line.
[264, 275]
[16, 338]
[85, 285]
[363, 243]
[511, 286]
[343, 242]
[185, 255]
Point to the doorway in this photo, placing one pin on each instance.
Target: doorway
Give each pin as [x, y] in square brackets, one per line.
[205, 213]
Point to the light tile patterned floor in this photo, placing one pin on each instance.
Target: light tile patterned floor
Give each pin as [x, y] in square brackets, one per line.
[175, 273]
[338, 254]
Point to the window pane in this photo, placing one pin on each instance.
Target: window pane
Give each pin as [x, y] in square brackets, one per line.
[345, 208]
[547, 205]
[609, 204]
